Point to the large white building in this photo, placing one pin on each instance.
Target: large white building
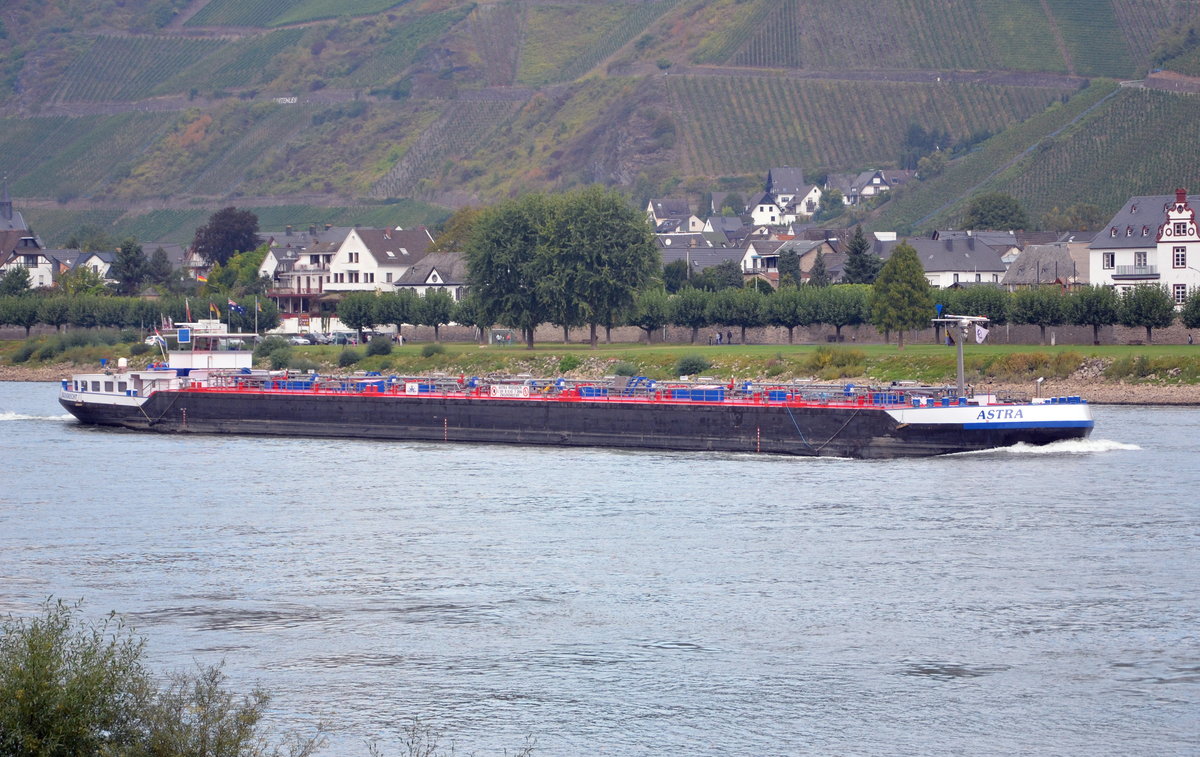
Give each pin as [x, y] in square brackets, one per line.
[1151, 240]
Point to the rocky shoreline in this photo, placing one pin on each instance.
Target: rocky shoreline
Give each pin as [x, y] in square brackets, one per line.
[1095, 391]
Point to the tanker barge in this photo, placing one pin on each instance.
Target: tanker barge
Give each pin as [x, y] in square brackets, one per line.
[213, 389]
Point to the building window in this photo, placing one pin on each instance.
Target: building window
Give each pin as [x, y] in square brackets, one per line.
[956, 278]
[1181, 229]
[995, 278]
[353, 277]
[389, 277]
[1179, 257]
[369, 278]
[1139, 258]
[1108, 260]
[1180, 293]
[978, 278]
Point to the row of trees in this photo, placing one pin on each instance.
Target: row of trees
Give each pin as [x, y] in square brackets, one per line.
[88, 311]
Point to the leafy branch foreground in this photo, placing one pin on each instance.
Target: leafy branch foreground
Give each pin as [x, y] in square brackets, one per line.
[71, 687]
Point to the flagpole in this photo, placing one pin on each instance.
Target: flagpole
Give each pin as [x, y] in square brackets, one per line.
[256, 314]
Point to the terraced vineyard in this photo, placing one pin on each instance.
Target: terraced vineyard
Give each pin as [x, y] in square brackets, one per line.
[242, 63]
[130, 68]
[496, 34]
[70, 157]
[260, 130]
[267, 13]
[939, 200]
[739, 124]
[562, 42]
[55, 226]
[1071, 169]
[459, 129]
[923, 34]
[398, 53]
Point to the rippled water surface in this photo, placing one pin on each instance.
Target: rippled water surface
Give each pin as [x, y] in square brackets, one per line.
[1022, 601]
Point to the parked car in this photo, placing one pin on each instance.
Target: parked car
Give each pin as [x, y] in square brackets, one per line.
[345, 337]
[299, 340]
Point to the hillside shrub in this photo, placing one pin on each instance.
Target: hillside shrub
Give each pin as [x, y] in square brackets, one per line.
[280, 358]
[379, 345]
[24, 352]
[302, 364]
[625, 368]
[269, 345]
[690, 365]
[349, 357]
[569, 363]
[139, 348]
[430, 350]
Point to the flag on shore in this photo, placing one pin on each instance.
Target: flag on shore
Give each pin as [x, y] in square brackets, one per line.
[214, 310]
[201, 278]
[980, 334]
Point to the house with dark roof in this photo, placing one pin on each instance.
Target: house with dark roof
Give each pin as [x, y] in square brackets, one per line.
[951, 262]
[374, 259]
[445, 271]
[672, 215]
[1151, 240]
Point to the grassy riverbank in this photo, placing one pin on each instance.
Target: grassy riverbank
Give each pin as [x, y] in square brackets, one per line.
[1108, 373]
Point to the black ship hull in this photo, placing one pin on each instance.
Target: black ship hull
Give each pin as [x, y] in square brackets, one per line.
[836, 431]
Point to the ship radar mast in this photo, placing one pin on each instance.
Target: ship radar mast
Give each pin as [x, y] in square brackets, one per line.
[962, 323]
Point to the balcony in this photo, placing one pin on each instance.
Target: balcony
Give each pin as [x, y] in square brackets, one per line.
[293, 291]
[1131, 272]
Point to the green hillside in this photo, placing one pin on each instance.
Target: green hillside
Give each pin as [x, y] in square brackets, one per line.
[426, 105]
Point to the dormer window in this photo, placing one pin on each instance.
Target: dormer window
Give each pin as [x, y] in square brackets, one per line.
[1128, 231]
[1145, 231]
[1112, 232]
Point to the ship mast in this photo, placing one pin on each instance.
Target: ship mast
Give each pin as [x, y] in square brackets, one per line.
[961, 323]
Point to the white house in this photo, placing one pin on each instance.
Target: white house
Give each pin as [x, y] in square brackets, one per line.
[1151, 240]
[374, 259]
[446, 271]
[950, 262]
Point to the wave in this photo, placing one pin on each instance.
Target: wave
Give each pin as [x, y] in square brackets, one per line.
[8, 415]
[1070, 447]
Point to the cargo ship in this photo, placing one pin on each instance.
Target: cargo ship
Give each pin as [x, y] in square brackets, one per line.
[212, 388]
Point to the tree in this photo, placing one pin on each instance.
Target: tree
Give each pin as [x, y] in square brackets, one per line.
[456, 230]
[689, 309]
[14, 282]
[69, 687]
[724, 275]
[995, 210]
[817, 276]
[54, 311]
[792, 307]
[158, 272]
[1190, 314]
[469, 313]
[862, 265]
[831, 205]
[82, 280]
[435, 309]
[130, 268]
[1040, 306]
[675, 276]
[1148, 306]
[844, 305]
[228, 232]
[743, 308]
[502, 258]
[20, 311]
[901, 299]
[1081, 216]
[931, 165]
[789, 268]
[397, 309]
[651, 311]
[988, 300]
[357, 311]
[91, 239]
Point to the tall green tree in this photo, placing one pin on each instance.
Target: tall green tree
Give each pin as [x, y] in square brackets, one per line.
[862, 265]
[228, 232]
[54, 311]
[1040, 306]
[995, 210]
[469, 313]
[689, 309]
[1149, 306]
[1190, 314]
[159, 270]
[901, 299]
[82, 280]
[435, 309]
[651, 311]
[503, 258]
[988, 300]
[789, 268]
[20, 311]
[1094, 306]
[724, 275]
[456, 230]
[130, 268]
[818, 276]
[397, 309]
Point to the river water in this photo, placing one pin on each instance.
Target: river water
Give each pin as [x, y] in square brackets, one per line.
[1037, 601]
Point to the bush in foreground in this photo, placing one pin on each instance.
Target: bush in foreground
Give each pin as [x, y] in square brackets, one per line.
[72, 687]
[690, 365]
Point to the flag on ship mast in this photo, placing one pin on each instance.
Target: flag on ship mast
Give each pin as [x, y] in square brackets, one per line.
[980, 334]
